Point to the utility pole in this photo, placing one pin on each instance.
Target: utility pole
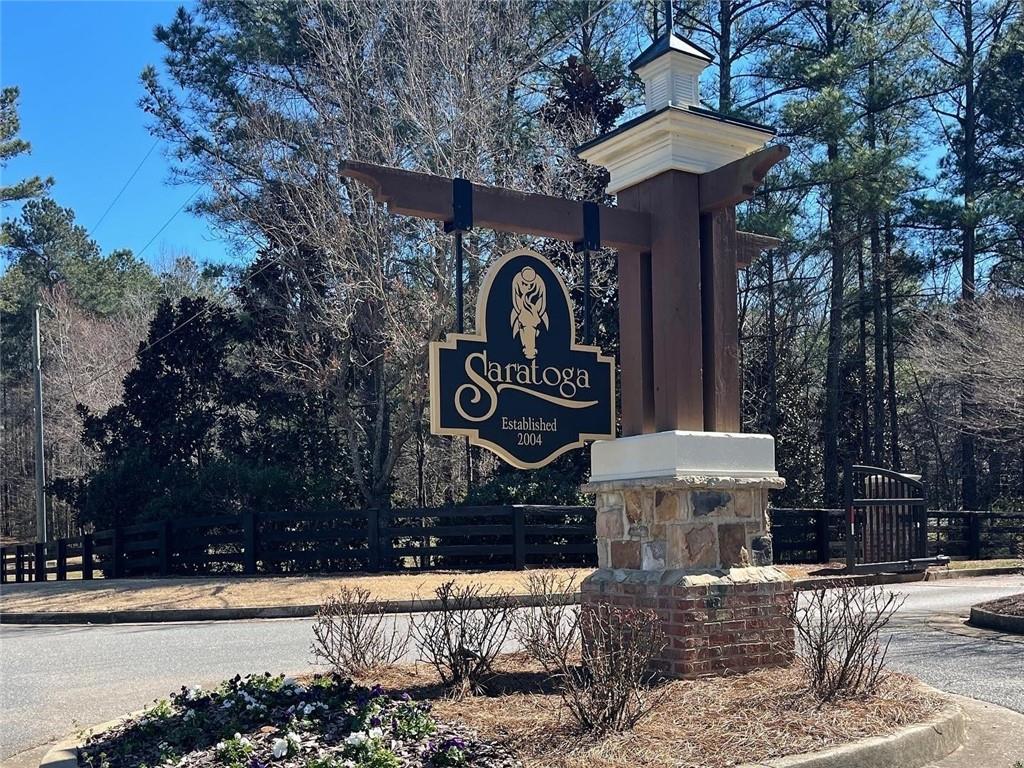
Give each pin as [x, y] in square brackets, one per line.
[37, 371]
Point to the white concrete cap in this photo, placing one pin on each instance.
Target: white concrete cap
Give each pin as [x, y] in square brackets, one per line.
[676, 138]
[683, 454]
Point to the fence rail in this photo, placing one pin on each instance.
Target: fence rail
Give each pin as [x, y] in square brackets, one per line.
[819, 535]
[498, 537]
[495, 537]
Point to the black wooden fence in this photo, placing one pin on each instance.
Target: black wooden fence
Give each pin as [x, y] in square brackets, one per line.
[502, 537]
[282, 543]
[819, 535]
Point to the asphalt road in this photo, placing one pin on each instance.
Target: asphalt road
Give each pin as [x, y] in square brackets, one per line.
[54, 680]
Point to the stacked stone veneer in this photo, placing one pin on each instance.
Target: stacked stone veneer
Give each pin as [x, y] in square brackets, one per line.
[696, 550]
[698, 523]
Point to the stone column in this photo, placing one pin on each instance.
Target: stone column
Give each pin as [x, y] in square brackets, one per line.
[683, 529]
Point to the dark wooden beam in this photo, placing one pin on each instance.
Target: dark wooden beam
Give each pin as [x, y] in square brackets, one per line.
[739, 180]
[430, 197]
[750, 244]
[636, 349]
[718, 312]
[675, 300]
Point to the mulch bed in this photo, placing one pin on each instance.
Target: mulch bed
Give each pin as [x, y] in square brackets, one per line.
[1008, 606]
[709, 723]
[410, 720]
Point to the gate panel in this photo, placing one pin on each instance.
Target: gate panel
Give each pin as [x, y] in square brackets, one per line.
[886, 517]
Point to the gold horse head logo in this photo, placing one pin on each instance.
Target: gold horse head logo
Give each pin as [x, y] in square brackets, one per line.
[529, 309]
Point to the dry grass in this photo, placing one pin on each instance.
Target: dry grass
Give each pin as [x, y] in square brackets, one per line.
[708, 723]
[959, 565]
[242, 591]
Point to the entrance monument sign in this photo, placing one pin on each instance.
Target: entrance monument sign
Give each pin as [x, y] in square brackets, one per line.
[521, 387]
[682, 496]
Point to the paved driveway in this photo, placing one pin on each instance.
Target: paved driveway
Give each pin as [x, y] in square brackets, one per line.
[55, 679]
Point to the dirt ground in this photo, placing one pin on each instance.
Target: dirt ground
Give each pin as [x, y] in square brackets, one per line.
[258, 592]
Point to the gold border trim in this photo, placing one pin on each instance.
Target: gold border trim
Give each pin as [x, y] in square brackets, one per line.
[451, 341]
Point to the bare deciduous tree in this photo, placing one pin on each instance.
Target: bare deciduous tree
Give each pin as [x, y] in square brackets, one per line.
[979, 345]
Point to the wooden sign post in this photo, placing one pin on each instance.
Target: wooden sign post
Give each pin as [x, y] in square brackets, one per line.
[681, 495]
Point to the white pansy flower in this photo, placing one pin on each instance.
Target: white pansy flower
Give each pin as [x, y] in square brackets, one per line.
[280, 748]
[357, 738]
[375, 733]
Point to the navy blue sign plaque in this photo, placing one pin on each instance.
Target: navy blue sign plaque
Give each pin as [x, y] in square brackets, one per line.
[521, 386]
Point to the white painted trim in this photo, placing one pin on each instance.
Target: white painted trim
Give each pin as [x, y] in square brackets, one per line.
[676, 139]
[683, 454]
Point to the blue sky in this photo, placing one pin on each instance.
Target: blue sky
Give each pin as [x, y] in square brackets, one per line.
[78, 66]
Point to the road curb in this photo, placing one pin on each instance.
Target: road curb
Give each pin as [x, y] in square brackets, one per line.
[1001, 622]
[910, 747]
[64, 754]
[174, 615]
[269, 612]
[964, 573]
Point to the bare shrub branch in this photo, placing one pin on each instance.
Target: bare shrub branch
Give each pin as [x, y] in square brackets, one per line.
[550, 632]
[838, 631]
[599, 655]
[464, 634]
[612, 690]
[353, 634]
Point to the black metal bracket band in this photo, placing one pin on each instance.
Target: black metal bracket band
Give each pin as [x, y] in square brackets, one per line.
[591, 228]
[462, 206]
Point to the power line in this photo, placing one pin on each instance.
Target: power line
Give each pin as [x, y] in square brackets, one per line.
[169, 220]
[124, 187]
[110, 369]
[207, 308]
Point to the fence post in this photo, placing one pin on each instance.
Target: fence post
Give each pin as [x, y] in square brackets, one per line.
[62, 559]
[249, 543]
[117, 553]
[373, 540]
[974, 536]
[3, 565]
[851, 520]
[39, 562]
[164, 535]
[19, 563]
[822, 539]
[87, 559]
[519, 537]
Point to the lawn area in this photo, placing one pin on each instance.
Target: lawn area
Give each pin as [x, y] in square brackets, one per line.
[240, 592]
[961, 565]
[266, 591]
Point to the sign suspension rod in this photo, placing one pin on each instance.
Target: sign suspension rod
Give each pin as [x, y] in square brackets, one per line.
[591, 242]
[462, 222]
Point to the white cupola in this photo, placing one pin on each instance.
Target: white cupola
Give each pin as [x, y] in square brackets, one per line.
[670, 70]
[675, 132]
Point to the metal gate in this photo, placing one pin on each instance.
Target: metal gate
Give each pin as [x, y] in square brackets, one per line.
[886, 519]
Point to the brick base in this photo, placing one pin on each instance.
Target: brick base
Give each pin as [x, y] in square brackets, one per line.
[719, 623]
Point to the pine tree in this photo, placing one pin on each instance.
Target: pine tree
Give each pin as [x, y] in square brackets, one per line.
[12, 146]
